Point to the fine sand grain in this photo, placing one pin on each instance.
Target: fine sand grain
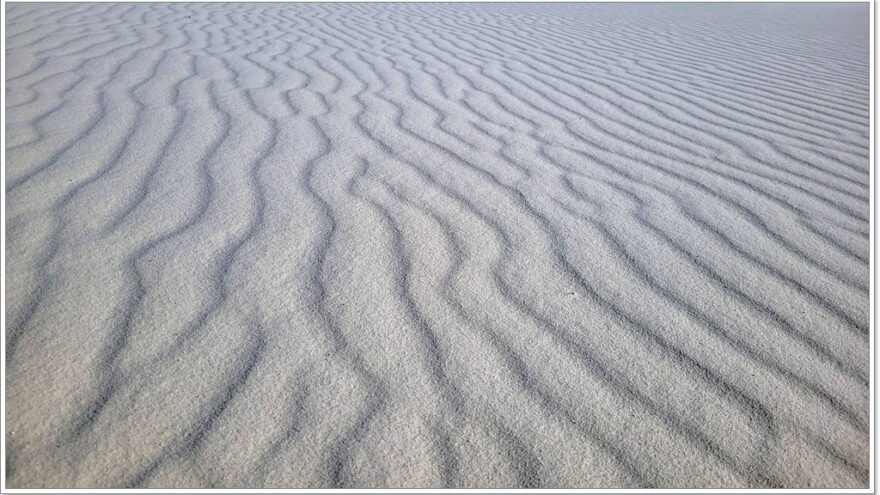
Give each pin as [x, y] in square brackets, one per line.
[403, 245]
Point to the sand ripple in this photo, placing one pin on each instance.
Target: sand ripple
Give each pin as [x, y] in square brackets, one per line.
[398, 245]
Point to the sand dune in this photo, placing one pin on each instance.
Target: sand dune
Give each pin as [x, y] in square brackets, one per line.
[427, 245]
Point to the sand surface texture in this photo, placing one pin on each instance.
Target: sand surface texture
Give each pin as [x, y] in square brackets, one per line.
[385, 245]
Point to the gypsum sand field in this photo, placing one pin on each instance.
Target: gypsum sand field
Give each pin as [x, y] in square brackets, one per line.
[398, 245]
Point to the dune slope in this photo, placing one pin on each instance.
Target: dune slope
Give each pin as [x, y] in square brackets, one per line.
[427, 245]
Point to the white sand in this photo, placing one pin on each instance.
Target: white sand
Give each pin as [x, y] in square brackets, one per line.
[387, 245]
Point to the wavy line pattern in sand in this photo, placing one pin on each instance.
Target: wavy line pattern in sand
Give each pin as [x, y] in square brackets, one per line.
[397, 245]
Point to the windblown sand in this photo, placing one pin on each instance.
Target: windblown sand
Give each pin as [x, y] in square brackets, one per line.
[401, 245]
